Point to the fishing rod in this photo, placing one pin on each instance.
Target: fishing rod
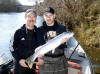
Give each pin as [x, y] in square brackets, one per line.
[73, 51]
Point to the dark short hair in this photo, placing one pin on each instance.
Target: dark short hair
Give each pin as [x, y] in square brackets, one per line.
[49, 10]
[30, 11]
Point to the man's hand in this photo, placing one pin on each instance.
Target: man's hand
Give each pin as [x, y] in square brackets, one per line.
[40, 59]
[40, 55]
[37, 48]
[22, 63]
[64, 40]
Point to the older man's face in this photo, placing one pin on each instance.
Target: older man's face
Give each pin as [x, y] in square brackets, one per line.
[49, 18]
[30, 20]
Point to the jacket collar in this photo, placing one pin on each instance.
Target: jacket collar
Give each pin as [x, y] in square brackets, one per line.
[55, 25]
[23, 28]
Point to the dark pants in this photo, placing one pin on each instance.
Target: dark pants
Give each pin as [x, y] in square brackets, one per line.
[54, 66]
[21, 70]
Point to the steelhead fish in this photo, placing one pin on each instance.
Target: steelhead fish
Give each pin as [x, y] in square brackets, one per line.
[50, 45]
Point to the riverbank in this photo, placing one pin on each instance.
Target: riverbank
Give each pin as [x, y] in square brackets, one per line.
[13, 8]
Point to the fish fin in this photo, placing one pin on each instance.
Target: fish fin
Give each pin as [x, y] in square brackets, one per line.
[30, 65]
[29, 62]
[53, 50]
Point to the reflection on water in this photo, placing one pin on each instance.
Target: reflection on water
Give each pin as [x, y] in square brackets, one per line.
[9, 22]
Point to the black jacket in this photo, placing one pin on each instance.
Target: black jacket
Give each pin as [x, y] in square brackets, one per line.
[24, 42]
[43, 33]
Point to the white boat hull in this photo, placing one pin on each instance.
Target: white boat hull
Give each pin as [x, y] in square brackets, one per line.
[75, 53]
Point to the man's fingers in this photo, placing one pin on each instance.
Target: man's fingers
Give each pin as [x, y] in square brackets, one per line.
[37, 48]
[64, 40]
[40, 55]
[40, 61]
[22, 63]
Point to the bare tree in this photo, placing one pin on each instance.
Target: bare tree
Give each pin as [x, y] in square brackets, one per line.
[72, 12]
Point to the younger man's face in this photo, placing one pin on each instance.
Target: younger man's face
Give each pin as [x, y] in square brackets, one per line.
[49, 18]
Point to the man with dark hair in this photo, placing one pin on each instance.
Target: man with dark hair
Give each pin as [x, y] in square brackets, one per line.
[24, 42]
[54, 61]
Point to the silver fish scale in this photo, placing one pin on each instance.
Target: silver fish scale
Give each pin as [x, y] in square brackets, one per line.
[51, 45]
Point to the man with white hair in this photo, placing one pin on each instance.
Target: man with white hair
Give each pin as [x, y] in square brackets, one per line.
[24, 42]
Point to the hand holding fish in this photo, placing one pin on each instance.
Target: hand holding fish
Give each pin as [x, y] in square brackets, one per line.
[40, 57]
[49, 46]
[64, 40]
[22, 63]
[36, 50]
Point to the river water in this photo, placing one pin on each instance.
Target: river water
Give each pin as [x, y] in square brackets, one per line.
[9, 22]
